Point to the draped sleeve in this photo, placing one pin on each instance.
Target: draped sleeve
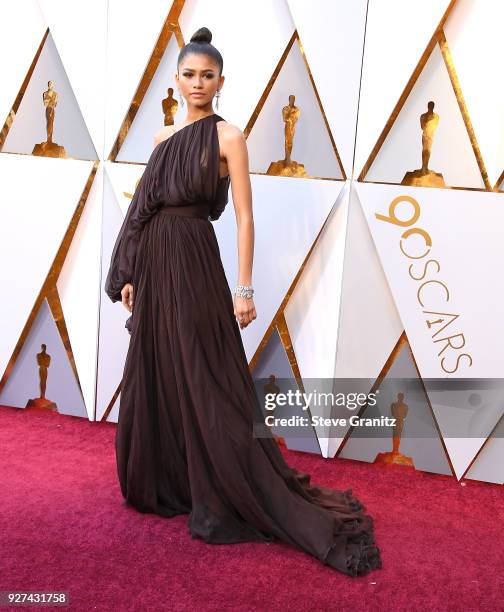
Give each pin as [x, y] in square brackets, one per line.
[122, 262]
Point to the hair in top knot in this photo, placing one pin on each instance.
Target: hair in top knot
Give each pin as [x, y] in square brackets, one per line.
[203, 35]
[201, 43]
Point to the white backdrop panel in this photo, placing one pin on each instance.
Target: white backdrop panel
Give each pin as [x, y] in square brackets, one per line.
[34, 220]
[339, 26]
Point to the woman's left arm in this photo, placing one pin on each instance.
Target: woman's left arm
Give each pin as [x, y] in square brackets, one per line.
[234, 149]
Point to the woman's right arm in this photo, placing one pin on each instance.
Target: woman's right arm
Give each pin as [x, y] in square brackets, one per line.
[122, 261]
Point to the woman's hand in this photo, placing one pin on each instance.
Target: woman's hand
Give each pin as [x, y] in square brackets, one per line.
[127, 296]
[244, 310]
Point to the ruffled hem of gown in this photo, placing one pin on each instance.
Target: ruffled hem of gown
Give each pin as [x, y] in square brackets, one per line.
[362, 554]
[353, 549]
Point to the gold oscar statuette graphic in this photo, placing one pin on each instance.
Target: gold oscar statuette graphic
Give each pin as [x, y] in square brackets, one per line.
[170, 106]
[49, 148]
[286, 166]
[43, 361]
[423, 177]
[273, 389]
[399, 411]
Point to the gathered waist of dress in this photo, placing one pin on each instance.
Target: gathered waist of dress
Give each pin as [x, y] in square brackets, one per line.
[196, 211]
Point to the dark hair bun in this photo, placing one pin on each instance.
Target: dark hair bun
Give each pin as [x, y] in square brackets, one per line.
[200, 43]
[203, 35]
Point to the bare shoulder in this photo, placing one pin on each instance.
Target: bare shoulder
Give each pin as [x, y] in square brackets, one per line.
[230, 133]
[164, 133]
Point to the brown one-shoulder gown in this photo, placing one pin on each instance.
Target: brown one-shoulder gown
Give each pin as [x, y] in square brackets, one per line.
[184, 441]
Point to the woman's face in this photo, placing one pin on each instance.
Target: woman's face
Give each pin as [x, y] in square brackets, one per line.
[198, 79]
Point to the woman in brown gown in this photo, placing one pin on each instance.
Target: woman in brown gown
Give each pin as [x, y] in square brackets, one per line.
[184, 441]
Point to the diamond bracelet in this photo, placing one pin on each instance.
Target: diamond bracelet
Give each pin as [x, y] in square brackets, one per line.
[245, 291]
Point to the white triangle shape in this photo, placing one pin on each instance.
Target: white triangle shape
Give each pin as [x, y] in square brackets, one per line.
[312, 145]
[452, 154]
[23, 383]
[82, 55]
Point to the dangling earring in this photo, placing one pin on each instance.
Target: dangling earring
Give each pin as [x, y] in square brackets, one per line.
[217, 95]
[181, 99]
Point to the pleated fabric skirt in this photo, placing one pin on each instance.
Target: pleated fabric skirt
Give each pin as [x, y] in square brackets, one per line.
[185, 442]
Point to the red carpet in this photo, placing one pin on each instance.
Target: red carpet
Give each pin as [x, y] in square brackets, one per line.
[64, 526]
